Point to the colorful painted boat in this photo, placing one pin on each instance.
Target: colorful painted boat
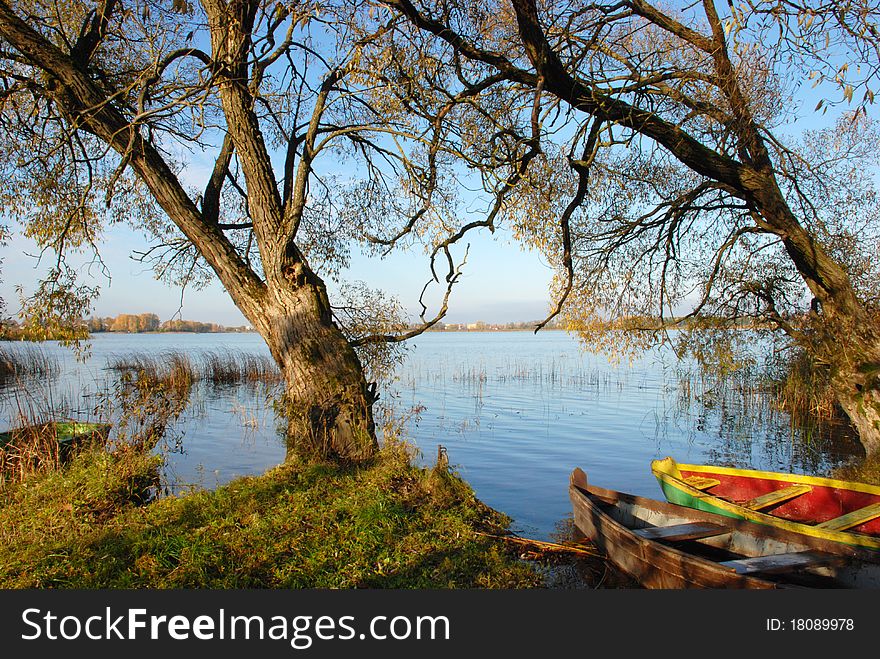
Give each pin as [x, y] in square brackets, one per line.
[825, 508]
[663, 545]
[66, 433]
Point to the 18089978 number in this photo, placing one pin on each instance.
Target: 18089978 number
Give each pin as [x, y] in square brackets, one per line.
[810, 624]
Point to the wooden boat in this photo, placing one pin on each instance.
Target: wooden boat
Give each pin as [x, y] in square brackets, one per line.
[824, 508]
[663, 545]
[66, 433]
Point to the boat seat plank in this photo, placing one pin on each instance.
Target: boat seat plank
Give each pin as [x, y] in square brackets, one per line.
[701, 482]
[782, 562]
[851, 519]
[680, 532]
[777, 496]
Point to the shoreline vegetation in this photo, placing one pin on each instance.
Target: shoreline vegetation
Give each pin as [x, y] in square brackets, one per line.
[173, 368]
[302, 524]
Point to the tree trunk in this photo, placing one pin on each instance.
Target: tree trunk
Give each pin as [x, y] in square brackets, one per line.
[856, 382]
[859, 396]
[327, 400]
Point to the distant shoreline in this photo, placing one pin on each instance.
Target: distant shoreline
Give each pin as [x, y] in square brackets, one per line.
[428, 331]
[486, 330]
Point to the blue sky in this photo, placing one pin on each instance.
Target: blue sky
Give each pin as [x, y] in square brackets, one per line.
[499, 283]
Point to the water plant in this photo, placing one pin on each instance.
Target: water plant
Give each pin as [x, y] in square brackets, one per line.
[181, 369]
[27, 361]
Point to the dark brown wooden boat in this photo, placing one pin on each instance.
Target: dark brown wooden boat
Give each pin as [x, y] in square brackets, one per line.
[663, 545]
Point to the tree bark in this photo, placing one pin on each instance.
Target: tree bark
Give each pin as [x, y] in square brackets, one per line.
[858, 393]
[328, 402]
[854, 360]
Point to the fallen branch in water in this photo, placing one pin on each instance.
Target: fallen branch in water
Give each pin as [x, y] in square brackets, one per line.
[543, 546]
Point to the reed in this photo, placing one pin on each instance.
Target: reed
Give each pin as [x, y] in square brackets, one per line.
[178, 369]
[553, 373]
[31, 446]
[229, 367]
[802, 388]
[785, 407]
[27, 361]
[169, 369]
[29, 450]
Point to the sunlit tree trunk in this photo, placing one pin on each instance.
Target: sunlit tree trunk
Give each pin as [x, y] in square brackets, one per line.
[858, 393]
[327, 401]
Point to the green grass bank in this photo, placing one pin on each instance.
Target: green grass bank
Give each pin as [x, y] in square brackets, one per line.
[383, 524]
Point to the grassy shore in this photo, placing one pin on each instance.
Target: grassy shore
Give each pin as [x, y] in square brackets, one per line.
[384, 524]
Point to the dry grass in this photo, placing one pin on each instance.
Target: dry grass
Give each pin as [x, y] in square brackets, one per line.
[180, 370]
[170, 369]
[230, 367]
[31, 446]
[27, 361]
[29, 450]
[802, 389]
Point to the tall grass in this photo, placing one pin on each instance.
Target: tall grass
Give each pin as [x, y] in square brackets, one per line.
[172, 369]
[32, 449]
[791, 385]
[228, 367]
[27, 361]
[180, 370]
[802, 388]
[31, 446]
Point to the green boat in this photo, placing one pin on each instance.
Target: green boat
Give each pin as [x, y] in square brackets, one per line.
[67, 433]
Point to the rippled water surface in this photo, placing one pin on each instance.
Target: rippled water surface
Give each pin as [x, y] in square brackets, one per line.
[515, 411]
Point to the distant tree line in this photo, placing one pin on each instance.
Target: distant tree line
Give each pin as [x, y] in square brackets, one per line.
[149, 322]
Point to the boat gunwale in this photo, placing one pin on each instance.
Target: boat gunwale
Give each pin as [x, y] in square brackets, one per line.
[586, 496]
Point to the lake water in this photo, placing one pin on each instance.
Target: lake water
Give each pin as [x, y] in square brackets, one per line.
[515, 411]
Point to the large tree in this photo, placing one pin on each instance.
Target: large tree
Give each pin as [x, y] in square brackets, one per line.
[109, 107]
[654, 156]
